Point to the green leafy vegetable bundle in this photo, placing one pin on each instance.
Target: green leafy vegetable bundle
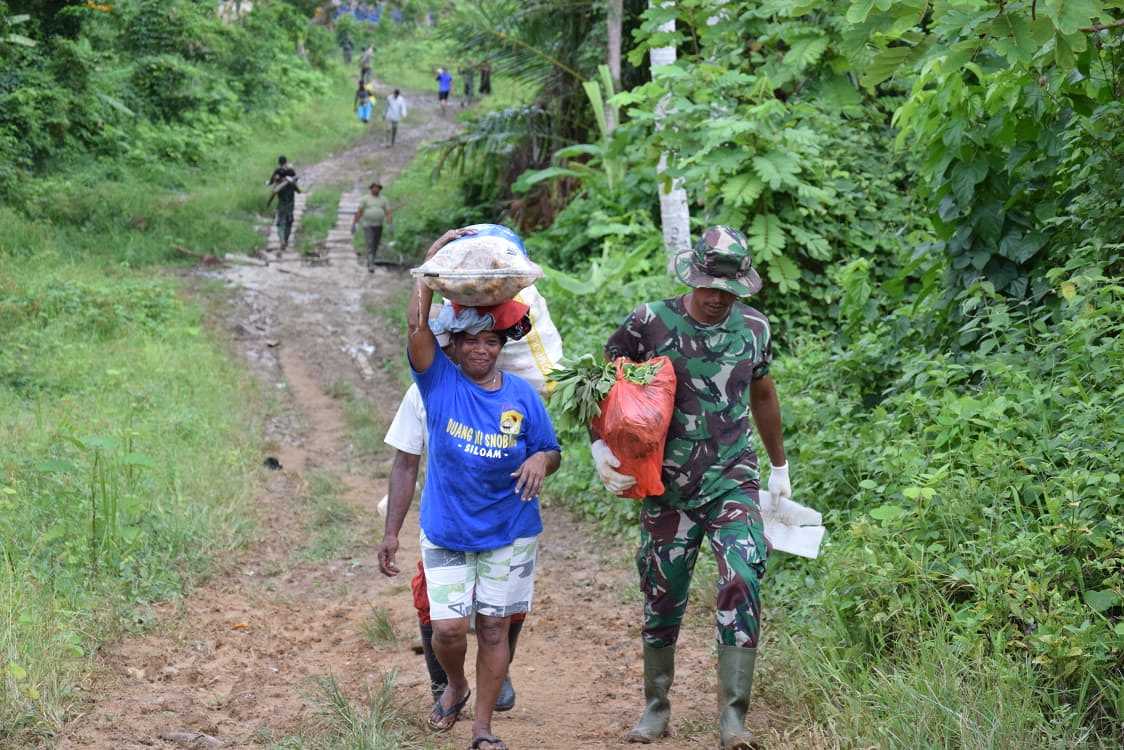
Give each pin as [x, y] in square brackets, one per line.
[580, 385]
[577, 388]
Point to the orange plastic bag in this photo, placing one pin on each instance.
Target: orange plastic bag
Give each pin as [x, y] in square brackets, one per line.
[633, 423]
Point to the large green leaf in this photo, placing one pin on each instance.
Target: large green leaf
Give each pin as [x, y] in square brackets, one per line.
[805, 52]
[1015, 37]
[784, 273]
[579, 149]
[885, 64]
[529, 179]
[742, 189]
[571, 284]
[1102, 600]
[597, 104]
[1069, 16]
[19, 39]
[766, 237]
[965, 176]
[859, 10]
[814, 243]
[776, 168]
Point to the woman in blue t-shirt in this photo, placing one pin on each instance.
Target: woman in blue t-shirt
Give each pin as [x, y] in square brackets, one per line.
[491, 445]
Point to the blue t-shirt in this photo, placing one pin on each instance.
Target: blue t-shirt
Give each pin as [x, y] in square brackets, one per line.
[477, 438]
[444, 81]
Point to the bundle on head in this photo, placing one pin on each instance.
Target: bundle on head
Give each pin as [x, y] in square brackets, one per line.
[482, 269]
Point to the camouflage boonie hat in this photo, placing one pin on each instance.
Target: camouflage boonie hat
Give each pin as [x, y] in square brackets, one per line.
[720, 260]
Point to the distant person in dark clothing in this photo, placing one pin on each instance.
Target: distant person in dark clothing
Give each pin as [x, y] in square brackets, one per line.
[485, 78]
[346, 48]
[469, 75]
[283, 182]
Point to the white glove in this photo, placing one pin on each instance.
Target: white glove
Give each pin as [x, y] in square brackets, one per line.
[779, 487]
[605, 461]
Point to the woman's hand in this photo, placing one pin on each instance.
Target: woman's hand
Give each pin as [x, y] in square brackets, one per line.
[445, 239]
[530, 476]
[387, 551]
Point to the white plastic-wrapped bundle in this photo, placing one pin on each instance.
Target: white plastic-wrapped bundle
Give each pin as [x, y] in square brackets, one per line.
[482, 269]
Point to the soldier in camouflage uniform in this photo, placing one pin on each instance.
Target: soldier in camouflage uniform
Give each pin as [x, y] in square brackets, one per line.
[721, 351]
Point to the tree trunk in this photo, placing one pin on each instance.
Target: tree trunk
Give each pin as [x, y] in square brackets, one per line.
[675, 215]
[614, 18]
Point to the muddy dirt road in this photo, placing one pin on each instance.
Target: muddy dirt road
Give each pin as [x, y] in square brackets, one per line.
[233, 665]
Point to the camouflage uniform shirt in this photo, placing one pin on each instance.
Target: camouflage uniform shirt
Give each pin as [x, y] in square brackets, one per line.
[708, 451]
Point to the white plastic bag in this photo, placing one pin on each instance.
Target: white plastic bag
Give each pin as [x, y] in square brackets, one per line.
[791, 527]
[481, 269]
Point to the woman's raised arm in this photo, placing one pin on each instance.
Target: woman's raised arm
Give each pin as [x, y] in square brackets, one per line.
[421, 343]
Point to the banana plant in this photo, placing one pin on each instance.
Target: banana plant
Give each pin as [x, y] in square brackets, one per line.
[10, 37]
[600, 162]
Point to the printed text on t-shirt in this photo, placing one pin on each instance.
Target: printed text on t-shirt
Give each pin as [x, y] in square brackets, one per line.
[478, 442]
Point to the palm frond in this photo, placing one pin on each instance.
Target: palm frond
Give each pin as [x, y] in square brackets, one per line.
[515, 138]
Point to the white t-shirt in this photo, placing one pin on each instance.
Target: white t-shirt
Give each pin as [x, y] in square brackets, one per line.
[407, 432]
[395, 108]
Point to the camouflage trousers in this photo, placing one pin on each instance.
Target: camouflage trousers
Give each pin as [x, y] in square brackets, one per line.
[670, 539]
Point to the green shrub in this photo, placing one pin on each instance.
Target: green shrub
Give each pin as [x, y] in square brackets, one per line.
[156, 80]
[166, 87]
[977, 493]
[170, 27]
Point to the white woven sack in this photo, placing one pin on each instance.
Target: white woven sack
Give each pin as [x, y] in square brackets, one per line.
[536, 354]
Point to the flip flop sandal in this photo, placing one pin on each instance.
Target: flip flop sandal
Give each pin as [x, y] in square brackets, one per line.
[495, 742]
[440, 714]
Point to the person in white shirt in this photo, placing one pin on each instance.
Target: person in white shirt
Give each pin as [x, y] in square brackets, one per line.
[407, 435]
[395, 112]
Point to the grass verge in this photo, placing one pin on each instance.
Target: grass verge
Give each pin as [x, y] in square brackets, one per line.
[434, 205]
[138, 214]
[130, 445]
[411, 61]
[363, 424]
[940, 695]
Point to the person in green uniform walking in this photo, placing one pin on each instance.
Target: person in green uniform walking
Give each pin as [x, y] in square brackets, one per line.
[372, 213]
[721, 350]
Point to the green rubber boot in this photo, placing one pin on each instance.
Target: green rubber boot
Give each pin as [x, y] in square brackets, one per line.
[659, 671]
[735, 683]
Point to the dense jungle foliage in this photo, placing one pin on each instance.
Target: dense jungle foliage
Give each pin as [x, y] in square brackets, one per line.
[143, 82]
[933, 193]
